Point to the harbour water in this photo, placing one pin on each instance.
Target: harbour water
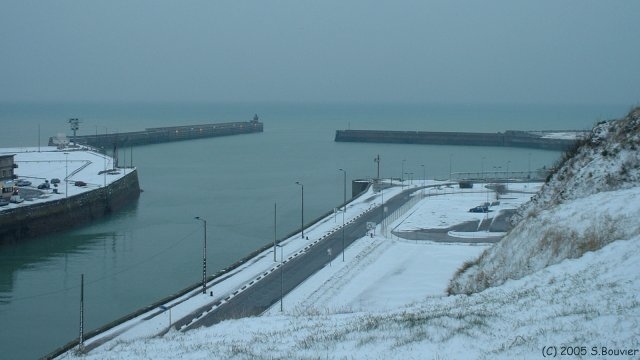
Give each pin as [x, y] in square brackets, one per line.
[153, 248]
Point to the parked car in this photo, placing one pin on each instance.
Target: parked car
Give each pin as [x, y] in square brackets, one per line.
[3, 202]
[80, 183]
[44, 185]
[22, 182]
[55, 181]
[479, 209]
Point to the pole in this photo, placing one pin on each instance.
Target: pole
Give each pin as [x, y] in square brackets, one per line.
[81, 341]
[302, 210]
[281, 278]
[275, 210]
[204, 260]
[66, 174]
[204, 256]
[344, 206]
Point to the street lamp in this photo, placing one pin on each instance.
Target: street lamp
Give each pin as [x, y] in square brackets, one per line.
[204, 256]
[402, 173]
[424, 175]
[302, 210]
[281, 275]
[344, 207]
[66, 174]
[165, 308]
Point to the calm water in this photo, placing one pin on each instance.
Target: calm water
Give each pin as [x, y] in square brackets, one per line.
[153, 248]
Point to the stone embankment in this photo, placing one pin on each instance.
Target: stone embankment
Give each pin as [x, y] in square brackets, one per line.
[533, 140]
[56, 215]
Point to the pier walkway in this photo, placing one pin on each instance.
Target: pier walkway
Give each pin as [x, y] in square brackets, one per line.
[547, 140]
[166, 134]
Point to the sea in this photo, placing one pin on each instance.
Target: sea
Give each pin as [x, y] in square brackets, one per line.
[153, 247]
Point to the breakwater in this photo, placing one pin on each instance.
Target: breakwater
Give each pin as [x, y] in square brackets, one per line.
[523, 139]
[165, 134]
[56, 215]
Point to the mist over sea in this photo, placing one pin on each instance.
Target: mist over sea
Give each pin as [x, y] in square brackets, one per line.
[153, 248]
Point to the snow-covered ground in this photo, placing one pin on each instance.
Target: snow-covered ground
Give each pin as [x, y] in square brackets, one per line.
[390, 295]
[452, 206]
[386, 301]
[37, 165]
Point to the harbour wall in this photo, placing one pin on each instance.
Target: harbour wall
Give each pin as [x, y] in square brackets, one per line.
[56, 215]
[166, 134]
[509, 138]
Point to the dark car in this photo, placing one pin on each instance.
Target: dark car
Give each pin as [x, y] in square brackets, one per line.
[3, 202]
[80, 183]
[55, 181]
[44, 185]
[479, 209]
[23, 182]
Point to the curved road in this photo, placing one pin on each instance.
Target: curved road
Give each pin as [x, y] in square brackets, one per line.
[266, 292]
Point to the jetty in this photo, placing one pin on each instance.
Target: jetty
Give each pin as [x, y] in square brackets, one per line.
[165, 134]
[65, 188]
[546, 140]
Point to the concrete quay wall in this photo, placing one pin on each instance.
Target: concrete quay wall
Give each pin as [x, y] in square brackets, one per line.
[56, 215]
[508, 138]
[166, 134]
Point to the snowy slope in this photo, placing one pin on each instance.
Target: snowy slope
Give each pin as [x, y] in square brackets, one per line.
[608, 160]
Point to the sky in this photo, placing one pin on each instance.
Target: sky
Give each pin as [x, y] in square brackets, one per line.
[422, 51]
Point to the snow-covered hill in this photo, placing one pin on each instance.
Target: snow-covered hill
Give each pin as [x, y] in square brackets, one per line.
[578, 210]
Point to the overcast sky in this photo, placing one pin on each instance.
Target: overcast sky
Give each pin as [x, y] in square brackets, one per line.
[467, 51]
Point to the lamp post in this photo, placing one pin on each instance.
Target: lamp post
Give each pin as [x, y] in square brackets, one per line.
[344, 207]
[281, 275]
[302, 210]
[402, 173]
[508, 162]
[204, 256]
[66, 174]
[424, 175]
[165, 308]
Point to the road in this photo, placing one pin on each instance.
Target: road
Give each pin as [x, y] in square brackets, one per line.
[266, 292]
